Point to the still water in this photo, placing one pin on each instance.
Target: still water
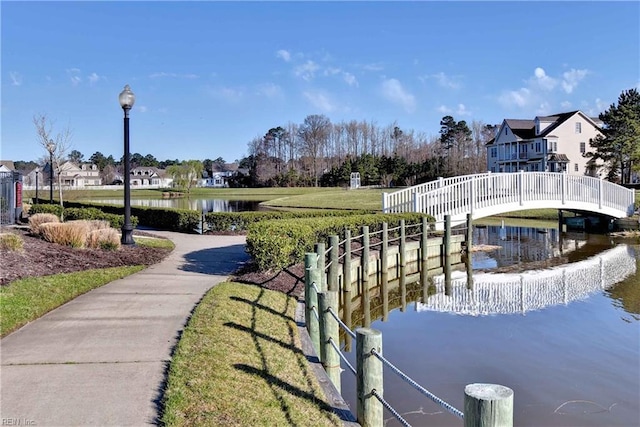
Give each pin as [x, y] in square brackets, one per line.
[201, 205]
[555, 319]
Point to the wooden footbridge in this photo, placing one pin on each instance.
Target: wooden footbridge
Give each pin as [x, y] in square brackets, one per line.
[490, 194]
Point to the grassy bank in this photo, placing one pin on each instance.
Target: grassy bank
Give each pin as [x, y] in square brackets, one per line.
[238, 363]
[333, 198]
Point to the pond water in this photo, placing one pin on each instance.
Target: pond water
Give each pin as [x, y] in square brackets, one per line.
[555, 318]
[197, 204]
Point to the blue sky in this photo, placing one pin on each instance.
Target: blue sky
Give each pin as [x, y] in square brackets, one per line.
[211, 76]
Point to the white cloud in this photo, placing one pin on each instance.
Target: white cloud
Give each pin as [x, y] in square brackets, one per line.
[74, 76]
[601, 105]
[350, 79]
[142, 108]
[307, 70]
[227, 93]
[462, 110]
[541, 80]
[93, 78]
[519, 98]
[16, 79]
[285, 55]
[393, 91]
[172, 75]
[320, 101]
[373, 67]
[269, 90]
[571, 78]
[565, 105]
[444, 109]
[445, 81]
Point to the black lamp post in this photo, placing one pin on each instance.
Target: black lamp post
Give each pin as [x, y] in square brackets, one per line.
[37, 173]
[127, 98]
[51, 147]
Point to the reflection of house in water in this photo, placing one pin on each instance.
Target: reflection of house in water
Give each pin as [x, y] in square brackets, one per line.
[532, 290]
[523, 244]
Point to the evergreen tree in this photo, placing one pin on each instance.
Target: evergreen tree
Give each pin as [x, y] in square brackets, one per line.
[619, 148]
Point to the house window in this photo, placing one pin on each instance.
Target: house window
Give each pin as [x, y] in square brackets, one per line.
[494, 152]
[538, 147]
[583, 147]
[578, 127]
[575, 167]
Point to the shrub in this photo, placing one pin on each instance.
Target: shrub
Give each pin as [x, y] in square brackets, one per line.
[46, 208]
[38, 219]
[72, 233]
[240, 221]
[11, 242]
[92, 213]
[105, 238]
[276, 244]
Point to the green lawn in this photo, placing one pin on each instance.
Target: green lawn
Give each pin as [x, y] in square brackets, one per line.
[332, 198]
[239, 363]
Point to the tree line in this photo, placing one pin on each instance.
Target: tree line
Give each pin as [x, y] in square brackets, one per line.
[318, 152]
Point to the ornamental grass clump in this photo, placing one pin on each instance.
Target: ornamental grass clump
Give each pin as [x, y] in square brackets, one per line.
[104, 238]
[72, 233]
[11, 242]
[37, 220]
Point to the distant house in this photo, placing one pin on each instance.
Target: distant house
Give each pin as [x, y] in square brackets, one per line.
[83, 175]
[7, 166]
[553, 143]
[147, 176]
[217, 179]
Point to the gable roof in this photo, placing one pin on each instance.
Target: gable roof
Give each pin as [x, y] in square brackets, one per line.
[523, 129]
[8, 164]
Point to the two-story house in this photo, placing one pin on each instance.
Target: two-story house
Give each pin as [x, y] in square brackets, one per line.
[83, 175]
[553, 143]
[148, 176]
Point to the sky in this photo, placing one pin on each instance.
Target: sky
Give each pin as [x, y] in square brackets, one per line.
[210, 76]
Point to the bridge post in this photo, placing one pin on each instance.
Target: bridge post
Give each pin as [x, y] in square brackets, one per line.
[472, 194]
[600, 193]
[416, 202]
[385, 202]
[520, 187]
[447, 254]
[563, 187]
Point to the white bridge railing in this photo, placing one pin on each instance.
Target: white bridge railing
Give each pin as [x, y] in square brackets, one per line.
[492, 193]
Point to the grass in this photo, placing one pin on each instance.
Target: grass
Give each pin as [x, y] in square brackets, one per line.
[153, 242]
[332, 198]
[238, 363]
[25, 300]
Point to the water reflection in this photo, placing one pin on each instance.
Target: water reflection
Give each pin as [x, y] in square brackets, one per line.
[533, 290]
[201, 205]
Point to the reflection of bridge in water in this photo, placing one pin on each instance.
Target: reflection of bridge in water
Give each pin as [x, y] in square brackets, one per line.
[488, 293]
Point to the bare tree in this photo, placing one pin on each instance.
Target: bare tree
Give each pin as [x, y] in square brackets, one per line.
[314, 134]
[57, 145]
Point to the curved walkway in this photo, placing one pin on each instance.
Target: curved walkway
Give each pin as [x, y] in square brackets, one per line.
[101, 359]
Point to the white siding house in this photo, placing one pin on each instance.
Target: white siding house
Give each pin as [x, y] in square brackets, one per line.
[553, 143]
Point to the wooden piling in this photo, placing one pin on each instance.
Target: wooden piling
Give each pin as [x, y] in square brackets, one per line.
[424, 242]
[312, 275]
[469, 234]
[334, 266]
[384, 250]
[346, 265]
[329, 330]
[369, 377]
[322, 265]
[488, 405]
[364, 268]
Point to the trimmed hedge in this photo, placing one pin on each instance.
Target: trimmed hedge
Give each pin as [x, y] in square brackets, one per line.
[46, 208]
[240, 221]
[276, 244]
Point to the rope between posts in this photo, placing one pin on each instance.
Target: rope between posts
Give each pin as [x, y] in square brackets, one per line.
[314, 309]
[315, 287]
[418, 387]
[390, 408]
[342, 356]
[341, 323]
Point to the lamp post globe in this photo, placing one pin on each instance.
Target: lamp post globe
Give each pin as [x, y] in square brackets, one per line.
[51, 147]
[127, 99]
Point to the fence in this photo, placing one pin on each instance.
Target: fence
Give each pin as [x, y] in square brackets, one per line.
[10, 197]
[484, 404]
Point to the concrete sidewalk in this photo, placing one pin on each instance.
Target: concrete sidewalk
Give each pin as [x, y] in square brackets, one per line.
[101, 359]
